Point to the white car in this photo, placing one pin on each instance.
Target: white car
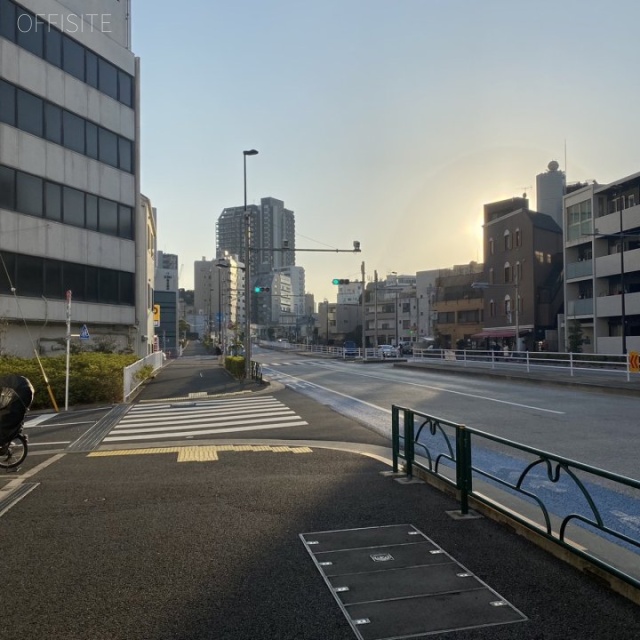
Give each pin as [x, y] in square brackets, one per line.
[387, 351]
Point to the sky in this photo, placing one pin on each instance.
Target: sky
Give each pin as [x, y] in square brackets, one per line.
[390, 122]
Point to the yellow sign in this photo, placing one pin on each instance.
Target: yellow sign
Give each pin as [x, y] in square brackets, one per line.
[156, 315]
[634, 362]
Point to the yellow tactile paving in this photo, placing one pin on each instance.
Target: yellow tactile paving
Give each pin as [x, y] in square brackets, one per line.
[208, 453]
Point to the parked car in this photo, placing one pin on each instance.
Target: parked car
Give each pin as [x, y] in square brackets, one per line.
[407, 348]
[387, 351]
[350, 349]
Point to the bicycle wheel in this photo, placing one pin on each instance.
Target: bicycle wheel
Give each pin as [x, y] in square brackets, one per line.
[14, 453]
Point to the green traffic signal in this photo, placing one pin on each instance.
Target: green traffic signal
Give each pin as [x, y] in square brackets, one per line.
[261, 289]
[340, 281]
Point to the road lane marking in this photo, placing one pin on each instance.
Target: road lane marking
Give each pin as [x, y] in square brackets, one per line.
[208, 453]
[421, 386]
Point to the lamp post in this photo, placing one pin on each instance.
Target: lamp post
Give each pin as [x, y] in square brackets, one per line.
[247, 274]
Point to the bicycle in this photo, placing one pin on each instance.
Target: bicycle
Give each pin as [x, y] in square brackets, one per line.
[16, 395]
[14, 452]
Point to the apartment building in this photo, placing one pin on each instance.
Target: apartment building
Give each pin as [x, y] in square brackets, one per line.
[71, 218]
[602, 266]
[523, 276]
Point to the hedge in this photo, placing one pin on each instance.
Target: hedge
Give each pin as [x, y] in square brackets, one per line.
[94, 378]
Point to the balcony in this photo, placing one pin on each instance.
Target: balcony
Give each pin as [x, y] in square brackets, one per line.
[610, 224]
[610, 265]
[611, 306]
[582, 307]
[582, 269]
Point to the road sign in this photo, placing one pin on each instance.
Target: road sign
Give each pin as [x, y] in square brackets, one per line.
[634, 362]
[84, 333]
[156, 315]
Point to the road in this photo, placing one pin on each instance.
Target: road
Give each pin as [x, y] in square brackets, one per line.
[592, 427]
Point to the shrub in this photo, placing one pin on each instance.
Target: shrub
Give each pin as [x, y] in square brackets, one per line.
[93, 377]
[235, 366]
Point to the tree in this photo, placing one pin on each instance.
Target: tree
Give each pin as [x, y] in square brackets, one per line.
[575, 337]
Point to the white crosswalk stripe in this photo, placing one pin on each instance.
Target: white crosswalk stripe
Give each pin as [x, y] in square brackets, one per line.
[191, 419]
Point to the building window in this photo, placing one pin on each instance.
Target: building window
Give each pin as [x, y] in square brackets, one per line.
[34, 115]
[492, 308]
[507, 240]
[507, 272]
[47, 42]
[539, 256]
[491, 247]
[518, 235]
[31, 195]
[518, 271]
[491, 278]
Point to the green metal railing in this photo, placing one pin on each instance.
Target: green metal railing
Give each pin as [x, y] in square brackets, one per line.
[448, 450]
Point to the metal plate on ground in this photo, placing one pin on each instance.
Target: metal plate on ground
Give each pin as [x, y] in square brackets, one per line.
[394, 582]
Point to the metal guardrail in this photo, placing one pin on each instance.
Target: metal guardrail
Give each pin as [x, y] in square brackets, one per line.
[574, 363]
[534, 480]
[256, 371]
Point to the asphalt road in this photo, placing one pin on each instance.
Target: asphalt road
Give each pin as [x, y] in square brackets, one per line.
[186, 542]
[584, 424]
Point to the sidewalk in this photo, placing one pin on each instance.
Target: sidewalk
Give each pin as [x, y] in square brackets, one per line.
[310, 540]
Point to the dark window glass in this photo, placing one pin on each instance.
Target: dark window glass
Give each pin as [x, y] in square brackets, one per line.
[108, 149]
[124, 147]
[30, 32]
[126, 221]
[73, 206]
[7, 103]
[108, 78]
[8, 20]
[53, 46]
[53, 123]
[92, 291]
[108, 216]
[109, 286]
[30, 113]
[73, 57]
[73, 128]
[91, 208]
[73, 279]
[92, 140]
[127, 295]
[28, 194]
[10, 266]
[29, 276]
[92, 69]
[52, 201]
[53, 279]
[126, 88]
[7, 188]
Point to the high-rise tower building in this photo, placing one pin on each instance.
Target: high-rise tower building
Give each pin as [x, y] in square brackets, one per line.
[550, 189]
[272, 235]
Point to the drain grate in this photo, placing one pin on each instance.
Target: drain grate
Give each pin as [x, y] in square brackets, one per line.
[394, 582]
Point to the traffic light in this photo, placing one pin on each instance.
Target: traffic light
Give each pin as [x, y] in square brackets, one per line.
[261, 289]
[340, 281]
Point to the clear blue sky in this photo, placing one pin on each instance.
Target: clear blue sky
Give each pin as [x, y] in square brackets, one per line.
[386, 121]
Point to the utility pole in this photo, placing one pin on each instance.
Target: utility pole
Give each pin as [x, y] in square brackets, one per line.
[364, 336]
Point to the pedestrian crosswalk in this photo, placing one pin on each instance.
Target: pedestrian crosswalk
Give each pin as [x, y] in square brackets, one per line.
[202, 418]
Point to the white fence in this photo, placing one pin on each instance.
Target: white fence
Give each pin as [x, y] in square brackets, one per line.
[130, 378]
[573, 363]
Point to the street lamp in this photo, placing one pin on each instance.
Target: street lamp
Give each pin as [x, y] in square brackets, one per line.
[247, 274]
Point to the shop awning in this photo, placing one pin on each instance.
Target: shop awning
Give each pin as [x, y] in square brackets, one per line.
[496, 333]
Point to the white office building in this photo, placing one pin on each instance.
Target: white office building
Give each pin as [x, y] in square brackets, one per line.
[71, 217]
